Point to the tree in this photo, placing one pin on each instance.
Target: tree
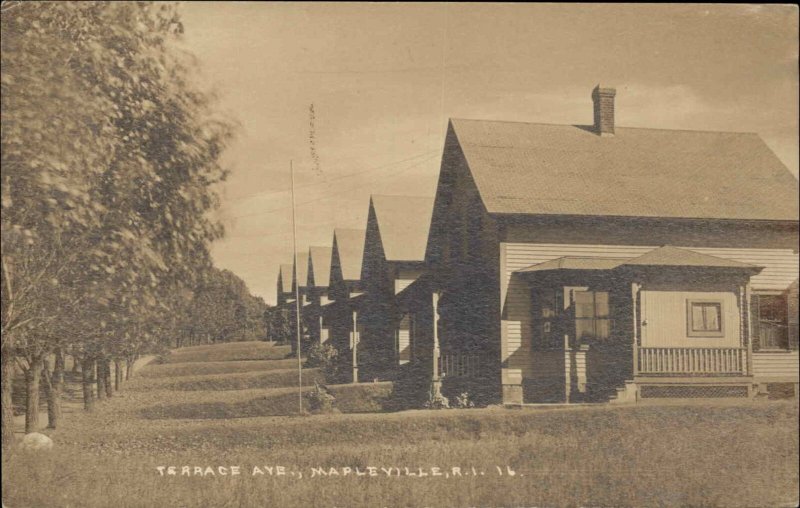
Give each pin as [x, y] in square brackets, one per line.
[110, 158]
[223, 309]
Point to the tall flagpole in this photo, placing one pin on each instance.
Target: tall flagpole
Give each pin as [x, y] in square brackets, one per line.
[296, 299]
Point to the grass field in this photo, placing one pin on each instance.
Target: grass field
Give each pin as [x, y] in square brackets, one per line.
[677, 454]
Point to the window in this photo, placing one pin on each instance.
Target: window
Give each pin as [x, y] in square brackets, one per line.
[704, 318]
[404, 339]
[771, 324]
[547, 306]
[592, 316]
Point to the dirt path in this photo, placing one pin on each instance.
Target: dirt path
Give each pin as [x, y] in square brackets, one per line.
[71, 401]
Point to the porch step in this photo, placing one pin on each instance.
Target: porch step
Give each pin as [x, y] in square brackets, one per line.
[627, 394]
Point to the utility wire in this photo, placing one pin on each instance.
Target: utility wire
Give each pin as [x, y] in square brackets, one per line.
[328, 195]
[328, 180]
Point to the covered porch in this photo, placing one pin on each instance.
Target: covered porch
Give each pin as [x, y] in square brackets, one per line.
[340, 322]
[671, 322]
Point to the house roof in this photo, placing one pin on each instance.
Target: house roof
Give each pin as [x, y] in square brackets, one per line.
[350, 247]
[662, 256]
[321, 265]
[286, 278]
[529, 168]
[403, 222]
[673, 256]
[302, 268]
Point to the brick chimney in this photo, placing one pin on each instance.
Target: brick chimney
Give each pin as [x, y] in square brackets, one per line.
[603, 99]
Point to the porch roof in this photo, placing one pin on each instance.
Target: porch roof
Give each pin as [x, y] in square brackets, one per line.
[662, 256]
[335, 307]
[418, 290]
[673, 256]
[575, 263]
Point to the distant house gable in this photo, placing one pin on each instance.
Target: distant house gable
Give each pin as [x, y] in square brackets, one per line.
[285, 278]
[301, 270]
[347, 254]
[397, 230]
[403, 222]
[319, 266]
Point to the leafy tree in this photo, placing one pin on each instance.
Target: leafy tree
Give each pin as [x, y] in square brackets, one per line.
[223, 309]
[110, 158]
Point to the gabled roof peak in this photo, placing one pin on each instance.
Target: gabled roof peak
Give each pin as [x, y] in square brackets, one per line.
[403, 224]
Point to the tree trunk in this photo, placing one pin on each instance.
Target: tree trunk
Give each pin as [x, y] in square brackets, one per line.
[87, 382]
[7, 360]
[100, 378]
[128, 366]
[60, 366]
[76, 364]
[54, 384]
[117, 373]
[107, 381]
[32, 377]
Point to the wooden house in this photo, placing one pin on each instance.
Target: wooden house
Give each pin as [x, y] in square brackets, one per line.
[394, 257]
[345, 292]
[300, 287]
[283, 319]
[600, 263]
[319, 274]
[284, 290]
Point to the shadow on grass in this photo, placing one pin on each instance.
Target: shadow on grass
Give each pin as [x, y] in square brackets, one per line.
[361, 398]
[246, 351]
[271, 379]
[220, 367]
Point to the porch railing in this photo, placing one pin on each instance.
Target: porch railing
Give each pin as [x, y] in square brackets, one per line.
[692, 360]
[458, 364]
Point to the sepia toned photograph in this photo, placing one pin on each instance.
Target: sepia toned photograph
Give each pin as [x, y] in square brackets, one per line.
[367, 254]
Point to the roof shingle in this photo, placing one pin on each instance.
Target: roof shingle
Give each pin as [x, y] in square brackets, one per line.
[528, 168]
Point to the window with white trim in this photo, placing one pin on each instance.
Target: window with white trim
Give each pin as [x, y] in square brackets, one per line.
[704, 318]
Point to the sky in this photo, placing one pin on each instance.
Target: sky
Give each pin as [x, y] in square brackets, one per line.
[384, 78]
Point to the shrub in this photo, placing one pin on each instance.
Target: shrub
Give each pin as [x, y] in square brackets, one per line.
[463, 401]
[320, 400]
[437, 401]
[325, 357]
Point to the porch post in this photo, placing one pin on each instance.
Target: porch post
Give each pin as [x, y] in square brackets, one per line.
[568, 368]
[437, 383]
[354, 340]
[634, 297]
[748, 291]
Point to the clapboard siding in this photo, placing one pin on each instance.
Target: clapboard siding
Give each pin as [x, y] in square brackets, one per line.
[780, 270]
[665, 313]
[776, 365]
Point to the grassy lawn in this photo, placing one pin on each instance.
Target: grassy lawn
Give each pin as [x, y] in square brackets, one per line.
[679, 454]
[229, 352]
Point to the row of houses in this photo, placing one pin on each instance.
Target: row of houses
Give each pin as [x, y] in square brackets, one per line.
[569, 263]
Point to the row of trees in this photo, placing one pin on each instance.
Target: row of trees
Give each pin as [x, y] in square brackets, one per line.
[110, 160]
[223, 310]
